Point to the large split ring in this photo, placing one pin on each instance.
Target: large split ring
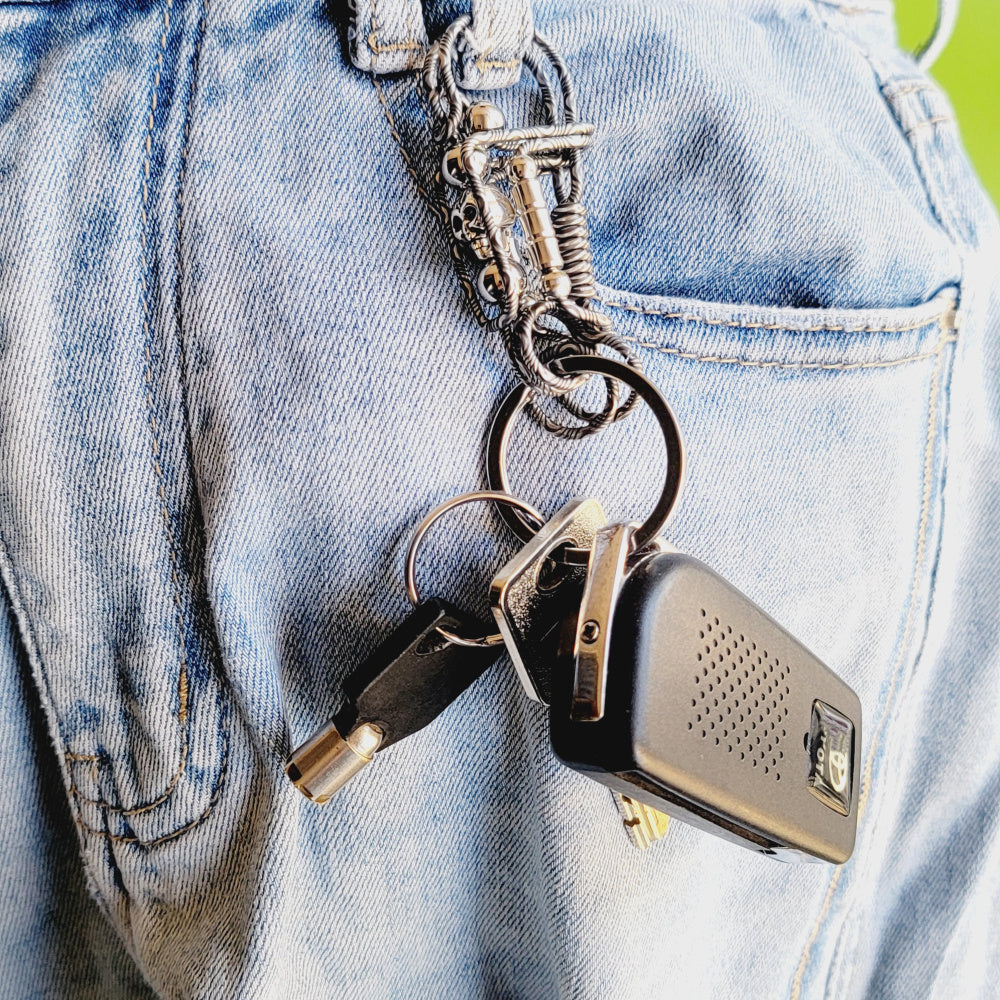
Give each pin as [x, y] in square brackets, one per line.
[503, 424]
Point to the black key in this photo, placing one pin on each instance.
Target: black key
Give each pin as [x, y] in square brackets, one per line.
[406, 683]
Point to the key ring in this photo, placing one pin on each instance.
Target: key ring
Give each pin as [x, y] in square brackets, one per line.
[503, 423]
[526, 515]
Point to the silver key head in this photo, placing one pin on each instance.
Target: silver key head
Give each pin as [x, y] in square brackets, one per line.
[533, 594]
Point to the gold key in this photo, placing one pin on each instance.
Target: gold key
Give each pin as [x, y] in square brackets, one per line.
[644, 824]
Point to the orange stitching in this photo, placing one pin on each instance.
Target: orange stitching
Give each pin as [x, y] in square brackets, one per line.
[483, 64]
[132, 810]
[392, 46]
[740, 325]
[373, 36]
[897, 666]
[399, 141]
[212, 803]
[183, 678]
[912, 88]
[182, 687]
[410, 33]
[795, 365]
[377, 48]
[930, 123]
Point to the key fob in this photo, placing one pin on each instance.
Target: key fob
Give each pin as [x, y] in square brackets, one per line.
[710, 711]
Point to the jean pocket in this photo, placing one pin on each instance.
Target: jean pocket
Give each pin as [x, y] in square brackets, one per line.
[814, 444]
[744, 152]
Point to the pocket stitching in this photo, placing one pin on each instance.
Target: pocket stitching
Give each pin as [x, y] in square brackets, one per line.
[946, 338]
[748, 325]
[118, 838]
[934, 432]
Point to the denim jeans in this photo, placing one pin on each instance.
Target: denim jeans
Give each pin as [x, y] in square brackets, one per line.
[236, 369]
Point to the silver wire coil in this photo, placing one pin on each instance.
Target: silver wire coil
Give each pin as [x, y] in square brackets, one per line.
[570, 222]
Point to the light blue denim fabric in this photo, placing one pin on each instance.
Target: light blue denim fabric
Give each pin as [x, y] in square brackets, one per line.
[389, 36]
[236, 368]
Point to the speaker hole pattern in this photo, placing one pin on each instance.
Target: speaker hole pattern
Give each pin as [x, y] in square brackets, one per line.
[740, 690]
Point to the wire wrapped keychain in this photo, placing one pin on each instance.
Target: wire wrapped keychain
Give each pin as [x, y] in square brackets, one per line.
[530, 264]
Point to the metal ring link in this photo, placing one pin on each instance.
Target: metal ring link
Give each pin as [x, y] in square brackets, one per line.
[534, 371]
[593, 420]
[502, 499]
[503, 423]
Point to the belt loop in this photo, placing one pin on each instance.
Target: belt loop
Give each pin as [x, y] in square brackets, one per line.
[386, 36]
[389, 36]
[494, 43]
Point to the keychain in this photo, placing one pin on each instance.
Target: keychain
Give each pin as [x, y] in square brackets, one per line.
[673, 688]
[663, 681]
[526, 263]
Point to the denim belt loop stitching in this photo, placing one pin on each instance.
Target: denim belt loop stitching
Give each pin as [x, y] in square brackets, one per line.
[386, 36]
[494, 43]
[389, 36]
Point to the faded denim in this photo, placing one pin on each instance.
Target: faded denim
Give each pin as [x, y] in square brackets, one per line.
[236, 368]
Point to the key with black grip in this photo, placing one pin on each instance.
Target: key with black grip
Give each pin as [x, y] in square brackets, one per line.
[406, 683]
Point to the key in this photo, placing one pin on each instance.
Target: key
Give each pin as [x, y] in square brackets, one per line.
[675, 690]
[533, 593]
[406, 683]
[644, 824]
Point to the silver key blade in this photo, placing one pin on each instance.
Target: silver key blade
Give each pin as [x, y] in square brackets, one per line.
[531, 595]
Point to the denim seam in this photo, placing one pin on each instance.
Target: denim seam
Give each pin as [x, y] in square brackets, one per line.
[394, 132]
[845, 366]
[182, 682]
[76, 759]
[887, 97]
[183, 689]
[930, 448]
[933, 121]
[744, 325]
[482, 63]
[471, 295]
[156, 841]
[485, 64]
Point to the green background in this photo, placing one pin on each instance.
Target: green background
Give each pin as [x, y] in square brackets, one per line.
[969, 72]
